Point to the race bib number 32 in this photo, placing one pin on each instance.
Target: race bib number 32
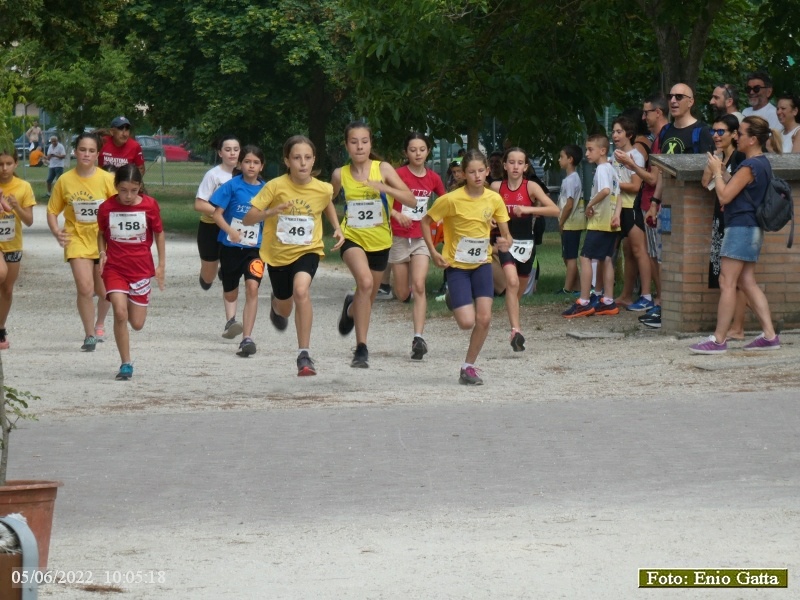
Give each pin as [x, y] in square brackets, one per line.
[364, 213]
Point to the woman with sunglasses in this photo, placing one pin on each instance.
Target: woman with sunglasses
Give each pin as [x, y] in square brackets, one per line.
[788, 105]
[724, 134]
[741, 244]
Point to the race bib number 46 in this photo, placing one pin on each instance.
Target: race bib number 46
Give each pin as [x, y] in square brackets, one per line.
[127, 226]
[364, 213]
[472, 250]
[297, 231]
[86, 212]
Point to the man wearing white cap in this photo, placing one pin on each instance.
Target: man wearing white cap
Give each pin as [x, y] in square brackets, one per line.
[119, 148]
[56, 153]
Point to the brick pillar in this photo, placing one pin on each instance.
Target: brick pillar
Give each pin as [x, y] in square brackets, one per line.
[688, 304]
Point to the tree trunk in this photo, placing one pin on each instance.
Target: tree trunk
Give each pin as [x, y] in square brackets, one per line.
[5, 426]
[320, 107]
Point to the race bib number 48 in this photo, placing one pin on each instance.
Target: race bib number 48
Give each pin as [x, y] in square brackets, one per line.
[364, 213]
[86, 212]
[472, 250]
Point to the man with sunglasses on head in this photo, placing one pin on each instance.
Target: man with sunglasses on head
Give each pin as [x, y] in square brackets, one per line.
[725, 101]
[119, 148]
[759, 91]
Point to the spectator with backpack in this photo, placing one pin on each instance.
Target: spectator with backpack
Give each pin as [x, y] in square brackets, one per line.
[741, 194]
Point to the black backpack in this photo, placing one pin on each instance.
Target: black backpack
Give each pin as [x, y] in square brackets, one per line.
[777, 209]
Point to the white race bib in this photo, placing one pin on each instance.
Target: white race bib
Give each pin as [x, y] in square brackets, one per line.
[364, 213]
[86, 212]
[8, 228]
[249, 233]
[416, 212]
[297, 231]
[127, 226]
[522, 250]
[472, 250]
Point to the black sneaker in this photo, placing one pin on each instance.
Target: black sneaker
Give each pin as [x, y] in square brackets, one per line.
[418, 348]
[204, 285]
[518, 342]
[655, 311]
[232, 329]
[246, 347]
[280, 323]
[305, 366]
[89, 343]
[653, 321]
[346, 322]
[360, 357]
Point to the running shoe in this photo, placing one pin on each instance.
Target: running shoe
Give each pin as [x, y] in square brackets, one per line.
[653, 312]
[4, 345]
[277, 320]
[578, 310]
[762, 343]
[125, 372]
[305, 366]
[641, 305]
[595, 300]
[607, 309]
[566, 292]
[232, 329]
[652, 320]
[710, 346]
[418, 348]
[89, 344]
[203, 284]
[100, 333]
[360, 357]
[346, 322]
[469, 376]
[517, 341]
[246, 347]
[384, 292]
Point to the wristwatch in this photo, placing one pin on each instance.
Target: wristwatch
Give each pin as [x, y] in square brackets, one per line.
[656, 200]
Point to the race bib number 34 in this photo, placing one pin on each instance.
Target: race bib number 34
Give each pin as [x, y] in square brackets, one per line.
[127, 226]
[86, 212]
[416, 213]
[472, 250]
[364, 213]
[297, 231]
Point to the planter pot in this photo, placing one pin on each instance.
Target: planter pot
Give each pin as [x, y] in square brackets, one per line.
[34, 500]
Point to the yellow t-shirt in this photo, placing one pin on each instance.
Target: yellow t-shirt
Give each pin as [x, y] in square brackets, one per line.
[22, 191]
[79, 199]
[298, 229]
[366, 221]
[467, 223]
[604, 177]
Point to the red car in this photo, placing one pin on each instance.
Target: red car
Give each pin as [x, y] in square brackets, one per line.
[154, 147]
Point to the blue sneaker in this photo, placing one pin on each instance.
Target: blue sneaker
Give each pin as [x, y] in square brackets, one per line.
[641, 305]
[125, 372]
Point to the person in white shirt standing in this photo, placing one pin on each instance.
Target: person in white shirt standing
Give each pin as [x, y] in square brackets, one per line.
[55, 159]
[759, 91]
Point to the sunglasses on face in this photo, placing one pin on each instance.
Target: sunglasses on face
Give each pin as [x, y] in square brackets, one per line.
[719, 132]
[678, 97]
[753, 89]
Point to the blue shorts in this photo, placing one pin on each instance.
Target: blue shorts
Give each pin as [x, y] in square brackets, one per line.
[599, 245]
[570, 243]
[742, 243]
[465, 285]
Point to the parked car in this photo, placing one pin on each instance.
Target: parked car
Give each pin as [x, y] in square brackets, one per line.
[153, 149]
[175, 141]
